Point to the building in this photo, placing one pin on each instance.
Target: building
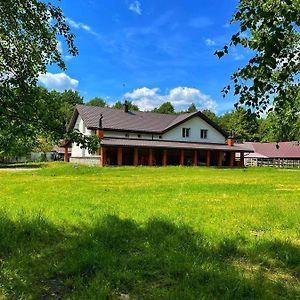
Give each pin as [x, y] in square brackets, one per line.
[153, 139]
[281, 154]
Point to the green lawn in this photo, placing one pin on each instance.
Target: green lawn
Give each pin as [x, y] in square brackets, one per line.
[149, 233]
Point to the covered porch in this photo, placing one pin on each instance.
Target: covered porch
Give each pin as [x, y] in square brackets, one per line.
[125, 152]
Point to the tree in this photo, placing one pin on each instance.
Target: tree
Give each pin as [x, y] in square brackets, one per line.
[120, 105]
[165, 108]
[192, 108]
[282, 125]
[241, 124]
[270, 29]
[211, 115]
[97, 101]
[28, 32]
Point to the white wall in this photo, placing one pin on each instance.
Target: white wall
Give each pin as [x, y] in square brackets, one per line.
[76, 150]
[196, 124]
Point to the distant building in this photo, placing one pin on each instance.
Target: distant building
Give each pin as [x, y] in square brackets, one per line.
[147, 138]
[282, 154]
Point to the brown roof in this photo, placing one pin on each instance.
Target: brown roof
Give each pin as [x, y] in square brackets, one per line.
[170, 144]
[138, 121]
[274, 150]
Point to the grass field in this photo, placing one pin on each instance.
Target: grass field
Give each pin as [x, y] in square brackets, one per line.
[149, 233]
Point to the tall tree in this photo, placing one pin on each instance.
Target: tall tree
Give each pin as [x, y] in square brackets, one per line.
[192, 108]
[28, 33]
[97, 101]
[283, 124]
[120, 105]
[241, 124]
[165, 108]
[270, 29]
[211, 115]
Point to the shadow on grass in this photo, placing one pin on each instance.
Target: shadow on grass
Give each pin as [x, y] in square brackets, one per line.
[21, 165]
[159, 260]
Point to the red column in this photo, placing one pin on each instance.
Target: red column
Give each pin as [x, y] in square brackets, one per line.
[182, 157]
[165, 158]
[208, 154]
[120, 156]
[195, 158]
[135, 156]
[102, 156]
[150, 158]
[220, 159]
[232, 159]
[242, 164]
[66, 154]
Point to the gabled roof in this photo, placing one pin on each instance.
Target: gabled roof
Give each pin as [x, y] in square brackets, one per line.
[274, 150]
[138, 121]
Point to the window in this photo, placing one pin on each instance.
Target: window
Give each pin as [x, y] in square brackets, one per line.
[126, 134]
[186, 132]
[160, 137]
[139, 135]
[203, 134]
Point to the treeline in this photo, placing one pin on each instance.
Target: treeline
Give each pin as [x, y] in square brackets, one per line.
[56, 108]
[245, 126]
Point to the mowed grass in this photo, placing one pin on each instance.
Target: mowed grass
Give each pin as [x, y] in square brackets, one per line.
[149, 233]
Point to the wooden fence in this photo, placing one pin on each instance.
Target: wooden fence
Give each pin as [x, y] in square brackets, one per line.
[272, 162]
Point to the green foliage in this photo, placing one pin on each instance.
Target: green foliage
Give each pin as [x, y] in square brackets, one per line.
[165, 108]
[90, 142]
[97, 101]
[97, 233]
[120, 105]
[211, 115]
[242, 124]
[28, 34]
[192, 108]
[270, 29]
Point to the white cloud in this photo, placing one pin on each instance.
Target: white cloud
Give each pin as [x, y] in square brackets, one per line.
[180, 97]
[58, 81]
[79, 25]
[59, 46]
[136, 7]
[210, 42]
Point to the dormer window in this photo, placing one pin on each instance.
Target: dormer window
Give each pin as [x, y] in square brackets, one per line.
[203, 133]
[186, 132]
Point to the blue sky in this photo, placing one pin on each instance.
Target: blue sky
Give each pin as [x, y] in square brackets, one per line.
[149, 52]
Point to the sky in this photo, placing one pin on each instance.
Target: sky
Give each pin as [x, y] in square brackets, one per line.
[149, 52]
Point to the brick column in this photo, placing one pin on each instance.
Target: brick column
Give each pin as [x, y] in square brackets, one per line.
[66, 153]
[165, 158]
[208, 154]
[102, 156]
[242, 164]
[135, 156]
[220, 158]
[150, 158]
[120, 156]
[182, 157]
[232, 158]
[195, 158]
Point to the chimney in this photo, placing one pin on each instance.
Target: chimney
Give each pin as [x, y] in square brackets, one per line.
[126, 106]
[230, 139]
[99, 131]
[100, 121]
